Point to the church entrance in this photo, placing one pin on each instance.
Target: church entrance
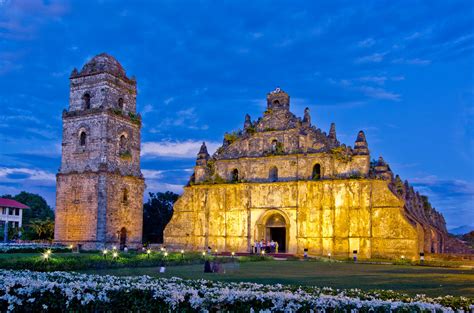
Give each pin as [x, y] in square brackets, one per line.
[123, 238]
[278, 234]
[276, 231]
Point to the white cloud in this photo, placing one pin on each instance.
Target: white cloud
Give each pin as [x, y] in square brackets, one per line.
[373, 58]
[176, 149]
[366, 43]
[152, 174]
[17, 175]
[379, 93]
[168, 100]
[415, 61]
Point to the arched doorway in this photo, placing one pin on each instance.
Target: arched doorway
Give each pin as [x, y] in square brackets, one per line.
[275, 229]
[123, 238]
[316, 172]
[273, 174]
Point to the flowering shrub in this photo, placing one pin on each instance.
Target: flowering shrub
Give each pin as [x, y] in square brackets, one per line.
[31, 247]
[63, 291]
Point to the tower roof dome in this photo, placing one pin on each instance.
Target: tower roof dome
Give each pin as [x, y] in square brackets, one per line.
[103, 63]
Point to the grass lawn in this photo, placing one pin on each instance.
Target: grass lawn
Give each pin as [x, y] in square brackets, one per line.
[413, 280]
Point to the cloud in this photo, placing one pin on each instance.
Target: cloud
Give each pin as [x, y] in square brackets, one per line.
[366, 43]
[415, 61]
[452, 197]
[184, 118]
[373, 58]
[168, 100]
[176, 149]
[379, 93]
[33, 176]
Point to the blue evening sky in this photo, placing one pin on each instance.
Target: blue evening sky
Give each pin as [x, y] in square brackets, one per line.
[400, 70]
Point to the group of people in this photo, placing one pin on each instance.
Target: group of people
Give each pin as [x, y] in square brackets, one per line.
[265, 246]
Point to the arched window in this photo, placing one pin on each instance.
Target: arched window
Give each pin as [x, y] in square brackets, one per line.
[123, 144]
[82, 139]
[273, 174]
[234, 175]
[276, 102]
[274, 145]
[120, 104]
[125, 195]
[316, 172]
[87, 101]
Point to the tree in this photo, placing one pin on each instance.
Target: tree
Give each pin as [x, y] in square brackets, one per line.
[39, 211]
[42, 229]
[157, 213]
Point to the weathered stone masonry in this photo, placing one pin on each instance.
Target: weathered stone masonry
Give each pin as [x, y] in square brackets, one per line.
[99, 200]
[282, 178]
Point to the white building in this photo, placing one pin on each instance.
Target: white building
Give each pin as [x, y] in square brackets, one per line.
[11, 215]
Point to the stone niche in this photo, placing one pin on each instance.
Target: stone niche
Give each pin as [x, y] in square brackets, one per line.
[327, 216]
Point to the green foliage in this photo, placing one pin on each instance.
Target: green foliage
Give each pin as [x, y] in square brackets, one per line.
[125, 155]
[268, 111]
[96, 260]
[41, 229]
[340, 153]
[157, 213]
[231, 137]
[39, 210]
[251, 130]
[135, 118]
[117, 111]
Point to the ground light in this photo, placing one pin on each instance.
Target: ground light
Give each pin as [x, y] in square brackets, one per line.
[263, 252]
[166, 254]
[115, 254]
[148, 252]
[182, 254]
[329, 255]
[45, 256]
[104, 253]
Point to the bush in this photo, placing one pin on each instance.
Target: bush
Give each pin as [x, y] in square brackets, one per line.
[27, 291]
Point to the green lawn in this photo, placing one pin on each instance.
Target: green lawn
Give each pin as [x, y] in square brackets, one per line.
[432, 281]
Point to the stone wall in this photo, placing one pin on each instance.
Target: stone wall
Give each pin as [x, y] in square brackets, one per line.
[329, 216]
[99, 185]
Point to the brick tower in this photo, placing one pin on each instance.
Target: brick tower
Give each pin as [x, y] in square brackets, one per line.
[99, 197]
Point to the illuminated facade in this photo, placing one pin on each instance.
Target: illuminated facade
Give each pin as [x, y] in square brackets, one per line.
[282, 178]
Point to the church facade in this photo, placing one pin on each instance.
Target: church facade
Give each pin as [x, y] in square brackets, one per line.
[99, 194]
[282, 178]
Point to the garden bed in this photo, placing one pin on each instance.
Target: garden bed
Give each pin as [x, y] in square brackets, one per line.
[61, 291]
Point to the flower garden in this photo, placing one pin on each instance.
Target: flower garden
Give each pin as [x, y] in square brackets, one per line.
[41, 277]
[61, 291]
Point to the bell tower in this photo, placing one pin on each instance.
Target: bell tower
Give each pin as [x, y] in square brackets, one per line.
[99, 194]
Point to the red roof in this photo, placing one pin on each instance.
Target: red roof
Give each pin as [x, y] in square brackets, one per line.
[9, 203]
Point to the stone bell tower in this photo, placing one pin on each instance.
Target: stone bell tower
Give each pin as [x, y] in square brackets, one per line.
[99, 193]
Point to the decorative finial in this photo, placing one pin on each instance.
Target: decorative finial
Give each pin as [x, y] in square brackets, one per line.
[248, 122]
[332, 132]
[361, 146]
[306, 117]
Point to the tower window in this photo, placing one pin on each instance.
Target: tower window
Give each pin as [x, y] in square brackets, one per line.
[125, 195]
[82, 139]
[316, 172]
[120, 104]
[123, 144]
[235, 175]
[276, 102]
[274, 145]
[273, 174]
[87, 101]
